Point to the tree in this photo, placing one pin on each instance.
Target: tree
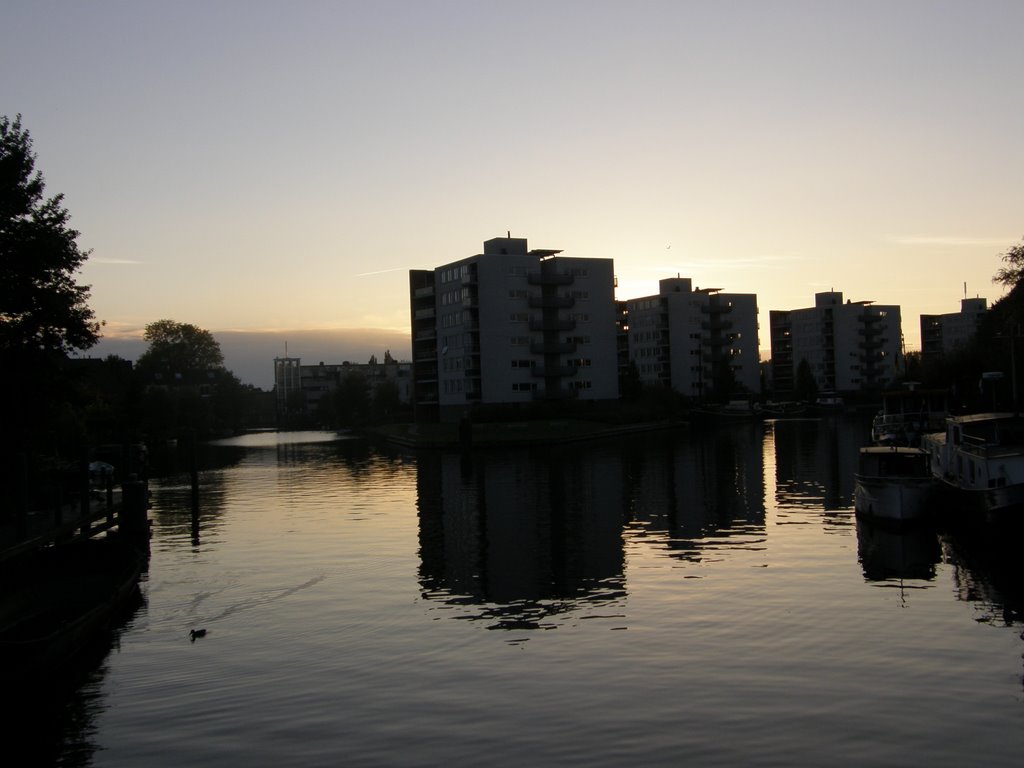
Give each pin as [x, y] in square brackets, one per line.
[41, 305]
[806, 386]
[179, 347]
[1011, 274]
[44, 314]
[352, 399]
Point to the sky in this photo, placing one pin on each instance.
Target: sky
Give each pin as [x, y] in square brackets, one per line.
[276, 169]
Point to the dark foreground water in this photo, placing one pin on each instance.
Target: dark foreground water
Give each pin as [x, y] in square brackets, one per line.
[661, 600]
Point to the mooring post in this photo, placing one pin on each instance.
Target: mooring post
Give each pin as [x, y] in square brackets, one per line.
[84, 501]
[133, 520]
[194, 476]
[110, 497]
[21, 512]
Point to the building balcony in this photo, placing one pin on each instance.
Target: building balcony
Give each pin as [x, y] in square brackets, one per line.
[557, 324]
[715, 309]
[716, 325]
[549, 278]
[555, 394]
[423, 314]
[553, 371]
[552, 348]
[424, 292]
[551, 302]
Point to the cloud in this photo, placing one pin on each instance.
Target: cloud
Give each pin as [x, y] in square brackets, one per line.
[385, 271]
[732, 261]
[101, 260]
[943, 240]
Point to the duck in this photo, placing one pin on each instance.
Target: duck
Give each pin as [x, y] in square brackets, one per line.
[194, 633]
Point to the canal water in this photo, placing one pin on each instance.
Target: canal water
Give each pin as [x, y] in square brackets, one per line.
[700, 597]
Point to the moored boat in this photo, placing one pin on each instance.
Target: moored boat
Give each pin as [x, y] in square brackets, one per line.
[909, 414]
[893, 483]
[981, 457]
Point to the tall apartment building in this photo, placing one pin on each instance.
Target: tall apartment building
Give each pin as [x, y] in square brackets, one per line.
[696, 341]
[850, 347]
[941, 334]
[512, 325]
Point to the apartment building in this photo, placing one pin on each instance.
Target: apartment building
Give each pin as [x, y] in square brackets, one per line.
[299, 388]
[942, 334]
[512, 325]
[850, 347]
[700, 342]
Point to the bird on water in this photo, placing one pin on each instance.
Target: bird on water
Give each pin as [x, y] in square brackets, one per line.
[194, 633]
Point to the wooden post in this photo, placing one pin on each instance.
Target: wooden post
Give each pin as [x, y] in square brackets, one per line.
[194, 477]
[110, 498]
[132, 520]
[21, 512]
[84, 501]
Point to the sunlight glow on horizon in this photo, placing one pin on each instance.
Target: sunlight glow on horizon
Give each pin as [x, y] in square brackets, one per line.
[284, 169]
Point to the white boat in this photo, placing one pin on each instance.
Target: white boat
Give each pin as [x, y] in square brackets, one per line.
[981, 456]
[893, 483]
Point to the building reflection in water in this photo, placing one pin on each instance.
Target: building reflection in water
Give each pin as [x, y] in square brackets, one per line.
[702, 486]
[517, 537]
[527, 534]
[815, 463]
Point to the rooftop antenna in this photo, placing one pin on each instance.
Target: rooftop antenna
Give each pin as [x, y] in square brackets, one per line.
[508, 234]
[965, 289]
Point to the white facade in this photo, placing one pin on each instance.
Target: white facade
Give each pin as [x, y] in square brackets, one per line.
[682, 338]
[513, 325]
[850, 347]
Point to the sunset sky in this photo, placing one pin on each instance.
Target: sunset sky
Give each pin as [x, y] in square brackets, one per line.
[269, 166]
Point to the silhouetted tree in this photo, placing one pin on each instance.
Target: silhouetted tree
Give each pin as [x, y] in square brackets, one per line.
[630, 385]
[723, 385]
[44, 315]
[352, 399]
[1011, 274]
[179, 347]
[806, 387]
[386, 399]
[41, 305]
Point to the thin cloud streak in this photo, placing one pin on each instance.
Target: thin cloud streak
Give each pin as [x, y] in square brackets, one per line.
[385, 271]
[735, 261]
[949, 241]
[101, 260]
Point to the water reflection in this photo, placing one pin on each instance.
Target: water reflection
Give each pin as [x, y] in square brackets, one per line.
[988, 570]
[315, 652]
[887, 555]
[526, 535]
[56, 721]
[520, 536]
[689, 492]
[815, 463]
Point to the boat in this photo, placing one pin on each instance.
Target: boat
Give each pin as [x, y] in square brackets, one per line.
[734, 410]
[908, 414]
[781, 409]
[59, 600]
[894, 484]
[981, 457]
